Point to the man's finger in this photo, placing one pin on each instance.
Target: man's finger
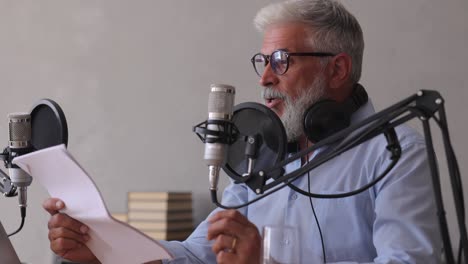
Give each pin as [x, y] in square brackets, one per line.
[61, 232]
[53, 205]
[226, 226]
[224, 257]
[61, 245]
[224, 243]
[231, 214]
[65, 221]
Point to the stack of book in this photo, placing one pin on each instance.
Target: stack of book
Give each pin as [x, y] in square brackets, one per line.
[161, 215]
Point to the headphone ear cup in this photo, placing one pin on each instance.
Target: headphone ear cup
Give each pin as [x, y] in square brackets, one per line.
[325, 118]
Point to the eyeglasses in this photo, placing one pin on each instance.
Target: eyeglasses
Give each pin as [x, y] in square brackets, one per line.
[279, 60]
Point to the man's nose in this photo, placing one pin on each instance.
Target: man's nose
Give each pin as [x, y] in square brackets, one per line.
[268, 77]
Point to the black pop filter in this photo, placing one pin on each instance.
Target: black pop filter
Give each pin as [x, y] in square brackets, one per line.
[48, 125]
[255, 119]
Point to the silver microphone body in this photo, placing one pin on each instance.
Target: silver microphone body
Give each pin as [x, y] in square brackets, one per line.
[19, 130]
[220, 107]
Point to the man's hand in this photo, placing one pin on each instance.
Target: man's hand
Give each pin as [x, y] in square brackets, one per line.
[67, 236]
[237, 240]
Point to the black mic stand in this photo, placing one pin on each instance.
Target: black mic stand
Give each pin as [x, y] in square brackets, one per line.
[423, 105]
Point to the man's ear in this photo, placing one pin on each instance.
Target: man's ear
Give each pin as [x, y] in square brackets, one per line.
[339, 69]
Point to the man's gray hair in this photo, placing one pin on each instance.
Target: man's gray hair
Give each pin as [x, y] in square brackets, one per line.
[333, 29]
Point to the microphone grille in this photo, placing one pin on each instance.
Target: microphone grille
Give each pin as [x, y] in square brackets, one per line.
[19, 130]
[221, 101]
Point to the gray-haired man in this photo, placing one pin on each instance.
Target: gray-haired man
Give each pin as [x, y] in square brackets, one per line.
[312, 50]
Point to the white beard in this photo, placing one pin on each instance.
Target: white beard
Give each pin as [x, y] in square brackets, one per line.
[294, 111]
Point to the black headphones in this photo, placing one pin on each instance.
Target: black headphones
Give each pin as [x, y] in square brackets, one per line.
[327, 117]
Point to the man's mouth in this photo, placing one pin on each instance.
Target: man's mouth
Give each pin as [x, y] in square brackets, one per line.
[273, 98]
[272, 102]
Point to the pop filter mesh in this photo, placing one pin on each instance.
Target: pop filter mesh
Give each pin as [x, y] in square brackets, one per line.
[256, 119]
[48, 125]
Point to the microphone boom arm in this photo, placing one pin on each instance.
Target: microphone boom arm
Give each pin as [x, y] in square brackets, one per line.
[423, 105]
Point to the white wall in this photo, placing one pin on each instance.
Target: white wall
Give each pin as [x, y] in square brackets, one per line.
[133, 78]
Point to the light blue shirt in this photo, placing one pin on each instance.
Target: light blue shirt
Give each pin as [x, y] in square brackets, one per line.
[392, 222]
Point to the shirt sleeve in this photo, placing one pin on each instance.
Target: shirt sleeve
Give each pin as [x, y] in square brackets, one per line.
[197, 249]
[406, 228]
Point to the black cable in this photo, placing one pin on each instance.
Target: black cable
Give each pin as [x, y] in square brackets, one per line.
[315, 216]
[214, 198]
[353, 141]
[23, 216]
[347, 194]
[393, 146]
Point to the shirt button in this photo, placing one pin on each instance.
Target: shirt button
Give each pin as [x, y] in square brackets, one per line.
[293, 196]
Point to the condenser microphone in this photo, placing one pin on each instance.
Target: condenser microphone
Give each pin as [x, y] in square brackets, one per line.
[44, 127]
[19, 130]
[220, 106]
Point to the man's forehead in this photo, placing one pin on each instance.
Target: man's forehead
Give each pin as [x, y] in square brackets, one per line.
[288, 36]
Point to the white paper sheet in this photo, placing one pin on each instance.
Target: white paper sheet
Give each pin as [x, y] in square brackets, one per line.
[111, 240]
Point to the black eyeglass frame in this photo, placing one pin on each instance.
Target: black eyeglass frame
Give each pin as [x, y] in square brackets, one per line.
[288, 54]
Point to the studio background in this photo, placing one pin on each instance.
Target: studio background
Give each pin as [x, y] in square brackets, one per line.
[133, 78]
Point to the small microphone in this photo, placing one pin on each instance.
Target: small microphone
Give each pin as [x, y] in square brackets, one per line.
[19, 131]
[220, 107]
